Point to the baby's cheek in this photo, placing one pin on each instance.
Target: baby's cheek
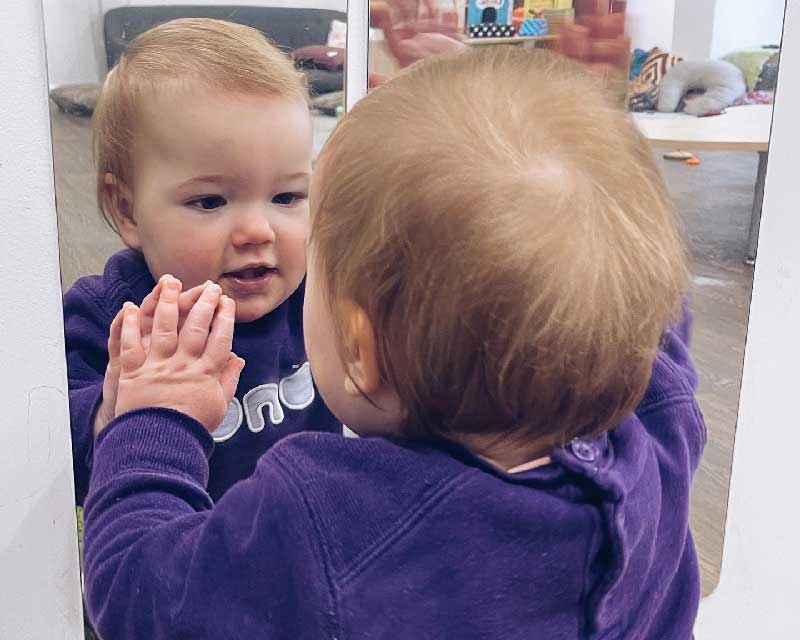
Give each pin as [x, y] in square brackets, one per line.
[193, 264]
[293, 247]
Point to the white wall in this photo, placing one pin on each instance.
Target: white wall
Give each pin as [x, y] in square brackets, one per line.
[704, 28]
[694, 28]
[39, 582]
[744, 23]
[650, 23]
[74, 31]
[74, 35]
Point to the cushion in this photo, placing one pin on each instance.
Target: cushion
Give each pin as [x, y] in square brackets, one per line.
[643, 93]
[638, 58]
[750, 61]
[722, 84]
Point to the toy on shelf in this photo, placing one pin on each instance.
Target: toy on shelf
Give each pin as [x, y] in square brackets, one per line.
[488, 12]
[533, 27]
[490, 30]
[534, 7]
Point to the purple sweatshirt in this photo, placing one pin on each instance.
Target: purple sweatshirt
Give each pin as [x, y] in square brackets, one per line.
[371, 538]
[276, 395]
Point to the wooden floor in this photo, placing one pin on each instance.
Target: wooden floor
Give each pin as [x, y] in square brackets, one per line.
[714, 200]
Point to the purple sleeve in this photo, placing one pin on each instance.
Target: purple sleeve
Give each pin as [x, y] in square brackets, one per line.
[86, 326]
[669, 410]
[161, 563]
[675, 345]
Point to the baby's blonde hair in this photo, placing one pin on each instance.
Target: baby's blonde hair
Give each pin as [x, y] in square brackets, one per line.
[507, 231]
[223, 56]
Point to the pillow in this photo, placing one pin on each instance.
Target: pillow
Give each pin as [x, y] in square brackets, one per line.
[750, 62]
[637, 62]
[722, 83]
[643, 94]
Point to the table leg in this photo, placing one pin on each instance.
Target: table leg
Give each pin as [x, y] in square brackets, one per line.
[755, 216]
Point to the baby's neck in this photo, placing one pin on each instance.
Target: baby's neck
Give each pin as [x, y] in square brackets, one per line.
[507, 452]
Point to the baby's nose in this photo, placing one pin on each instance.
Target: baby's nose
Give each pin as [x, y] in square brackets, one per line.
[253, 227]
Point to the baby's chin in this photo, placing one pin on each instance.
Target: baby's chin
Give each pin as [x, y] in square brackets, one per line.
[250, 311]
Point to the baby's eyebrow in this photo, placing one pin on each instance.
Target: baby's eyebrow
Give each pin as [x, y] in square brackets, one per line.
[203, 179]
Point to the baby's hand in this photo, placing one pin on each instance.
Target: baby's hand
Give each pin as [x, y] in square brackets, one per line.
[105, 411]
[186, 300]
[191, 370]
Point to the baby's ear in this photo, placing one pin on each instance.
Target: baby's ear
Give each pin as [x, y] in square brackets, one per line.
[362, 368]
[118, 205]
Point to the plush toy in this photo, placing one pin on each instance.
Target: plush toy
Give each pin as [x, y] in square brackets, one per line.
[720, 82]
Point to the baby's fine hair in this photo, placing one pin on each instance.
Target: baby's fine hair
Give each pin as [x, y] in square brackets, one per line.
[507, 231]
[186, 53]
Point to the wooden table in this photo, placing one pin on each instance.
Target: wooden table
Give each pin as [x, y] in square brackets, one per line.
[745, 128]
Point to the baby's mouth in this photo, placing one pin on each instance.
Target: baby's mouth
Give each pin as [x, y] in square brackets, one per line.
[252, 280]
[251, 273]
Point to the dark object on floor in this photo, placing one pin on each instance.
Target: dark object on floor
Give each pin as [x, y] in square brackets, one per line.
[328, 103]
[76, 99]
[286, 28]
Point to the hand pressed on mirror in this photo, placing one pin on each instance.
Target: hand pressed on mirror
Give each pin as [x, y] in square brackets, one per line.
[190, 369]
[412, 34]
[147, 310]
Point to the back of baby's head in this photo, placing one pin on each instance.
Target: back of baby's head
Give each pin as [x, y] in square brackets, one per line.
[508, 233]
[213, 55]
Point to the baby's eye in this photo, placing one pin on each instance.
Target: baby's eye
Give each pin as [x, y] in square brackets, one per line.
[208, 203]
[288, 199]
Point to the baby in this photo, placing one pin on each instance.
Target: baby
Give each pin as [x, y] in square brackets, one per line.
[203, 146]
[492, 292]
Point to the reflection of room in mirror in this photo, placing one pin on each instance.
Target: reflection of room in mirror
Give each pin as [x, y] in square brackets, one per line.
[84, 40]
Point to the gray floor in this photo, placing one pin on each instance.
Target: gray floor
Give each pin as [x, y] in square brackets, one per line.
[714, 200]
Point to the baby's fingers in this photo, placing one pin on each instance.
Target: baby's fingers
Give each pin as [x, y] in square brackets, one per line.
[187, 300]
[195, 330]
[148, 307]
[229, 377]
[131, 351]
[114, 335]
[220, 340]
[164, 337]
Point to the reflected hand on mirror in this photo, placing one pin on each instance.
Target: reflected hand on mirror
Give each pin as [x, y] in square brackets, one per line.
[413, 33]
[599, 41]
[186, 300]
[190, 369]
